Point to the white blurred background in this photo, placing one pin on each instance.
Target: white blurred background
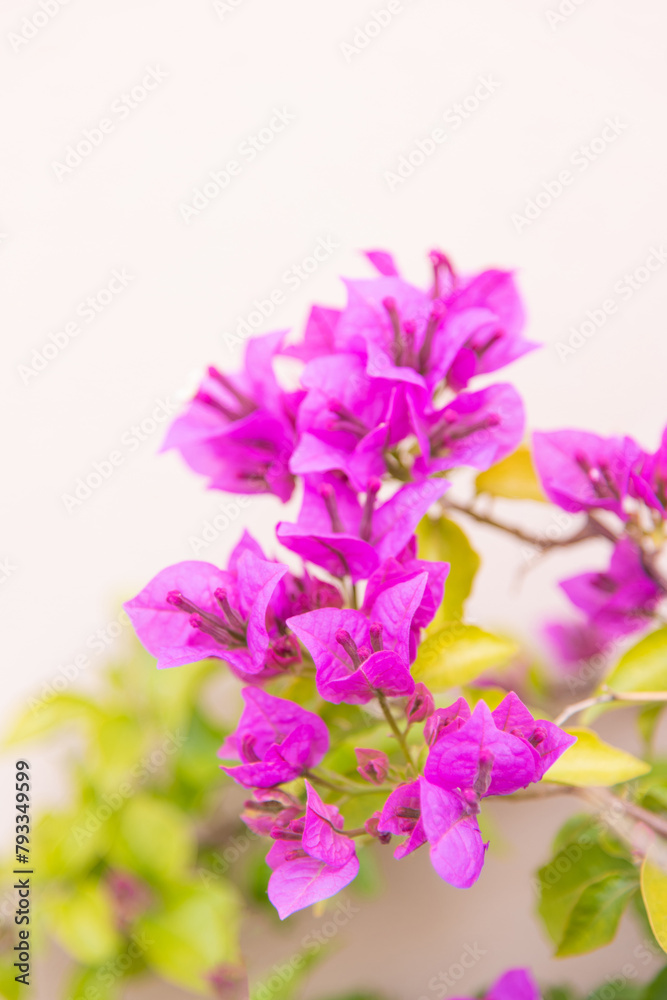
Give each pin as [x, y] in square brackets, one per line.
[356, 95]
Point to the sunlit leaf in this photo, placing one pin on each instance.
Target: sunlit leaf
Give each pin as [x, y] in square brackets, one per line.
[442, 540]
[155, 837]
[654, 893]
[82, 920]
[45, 714]
[459, 654]
[194, 932]
[591, 761]
[514, 477]
[644, 667]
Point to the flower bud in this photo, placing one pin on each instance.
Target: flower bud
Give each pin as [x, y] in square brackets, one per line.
[421, 704]
[371, 828]
[373, 765]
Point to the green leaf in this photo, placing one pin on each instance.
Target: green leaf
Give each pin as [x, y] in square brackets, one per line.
[99, 984]
[117, 743]
[459, 654]
[46, 715]
[576, 829]
[654, 894]
[291, 982]
[9, 988]
[572, 870]
[657, 988]
[155, 837]
[648, 718]
[193, 933]
[443, 541]
[591, 761]
[515, 477]
[644, 667]
[594, 919]
[82, 920]
[69, 843]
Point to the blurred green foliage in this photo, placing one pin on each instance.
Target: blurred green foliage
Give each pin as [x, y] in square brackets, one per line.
[120, 866]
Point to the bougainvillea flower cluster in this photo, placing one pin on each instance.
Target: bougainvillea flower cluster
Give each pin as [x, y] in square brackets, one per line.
[386, 408]
[621, 490]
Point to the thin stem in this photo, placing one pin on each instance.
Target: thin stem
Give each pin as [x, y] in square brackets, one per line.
[358, 831]
[393, 725]
[580, 706]
[603, 797]
[349, 788]
[589, 530]
[629, 697]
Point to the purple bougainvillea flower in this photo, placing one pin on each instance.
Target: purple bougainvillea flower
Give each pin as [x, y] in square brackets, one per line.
[405, 567]
[450, 824]
[401, 816]
[347, 538]
[270, 809]
[445, 720]
[481, 757]
[549, 741]
[517, 984]
[576, 642]
[424, 812]
[319, 336]
[619, 601]
[476, 428]
[347, 420]
[460, 328]
[276, 740]
[383, 262]
[581, 471]
[421, 705]
[294, 595]
[492, 753]
[648, 480]
[356, 655]
[373, 765]
[497, 340]
[402, 333]
[321, 837]
[312, 861]
[239, 431]
[193, 610]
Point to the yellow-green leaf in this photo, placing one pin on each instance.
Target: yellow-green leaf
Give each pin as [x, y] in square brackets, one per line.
[591, 761]
[83, 922]
[45, 714]
[515, 477]
[442, 540]
[459, 654]
[644, 667]
[155, 837]
[654, 891]
[193, 933]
